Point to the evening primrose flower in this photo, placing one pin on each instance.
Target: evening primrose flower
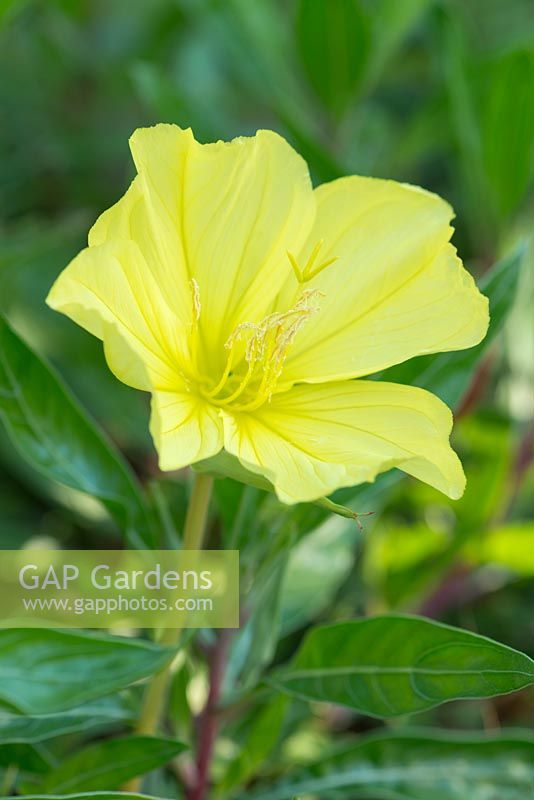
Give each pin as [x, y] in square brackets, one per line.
[250, 306]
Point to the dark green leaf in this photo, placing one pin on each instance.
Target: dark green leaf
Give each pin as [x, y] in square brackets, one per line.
[26, 757]
[87, 796]
[308, 587]
[507, 128]
[109, 764]
[391, 23]
[256, 641]
[260, 738]
[30, 729]
[416, 766]
[54, 434]
[46, 671]
[458, 66]
[333, 40]
[392, 665]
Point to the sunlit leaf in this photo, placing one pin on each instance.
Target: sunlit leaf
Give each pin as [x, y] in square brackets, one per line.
[509, 546]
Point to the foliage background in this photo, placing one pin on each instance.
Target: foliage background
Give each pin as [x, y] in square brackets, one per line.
[439, 94]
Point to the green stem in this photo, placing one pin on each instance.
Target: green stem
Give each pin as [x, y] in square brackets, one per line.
[156, 692]
[197, 512]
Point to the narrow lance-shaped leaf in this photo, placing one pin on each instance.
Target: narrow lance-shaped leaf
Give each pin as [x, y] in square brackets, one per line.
[392, 665]
[32, 729]
[88, 796]
[339, 32]
[259, 740]
[46, 671]
[110, 763]
[416, 765]
[55, 435]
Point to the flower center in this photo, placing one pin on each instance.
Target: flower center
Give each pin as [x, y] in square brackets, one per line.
[256, 356]
[256, 351]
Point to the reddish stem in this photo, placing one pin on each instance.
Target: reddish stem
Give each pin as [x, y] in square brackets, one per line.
[209, 719]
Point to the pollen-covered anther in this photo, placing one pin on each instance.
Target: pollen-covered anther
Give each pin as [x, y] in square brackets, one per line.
[191, 373]
[310, 269]
[258, 352]
[195, 297]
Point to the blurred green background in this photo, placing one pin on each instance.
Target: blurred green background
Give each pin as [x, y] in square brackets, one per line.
[439, 94]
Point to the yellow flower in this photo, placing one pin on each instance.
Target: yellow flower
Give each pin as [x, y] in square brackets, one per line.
[247, 303]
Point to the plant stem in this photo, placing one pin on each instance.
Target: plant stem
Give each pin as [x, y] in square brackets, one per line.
[156, 691]
[197, 512]
[209, 719]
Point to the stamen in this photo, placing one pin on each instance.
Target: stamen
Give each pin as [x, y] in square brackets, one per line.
[193, 330]
[229, 362]
[266, 347]
[195, 296]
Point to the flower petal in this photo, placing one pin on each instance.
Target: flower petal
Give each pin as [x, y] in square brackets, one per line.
[134, 218]
[396, 290]
[185, 429]
[225, 214]
[312, 440]
[109, 291]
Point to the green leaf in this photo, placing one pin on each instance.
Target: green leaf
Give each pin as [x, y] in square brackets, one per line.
[110, 763]
[46, 671]
[28, 759]
[333, 40]
[21, 736]
[510, 546]
[259, 739]
[308, 586]
[416, 765]
[459, 67]
[392, 665]
[55, 435]
[449, 374]
[31, 729]
[507, 127]
[87, 796]
[392, 22]
[255, 643]
[400, 560]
